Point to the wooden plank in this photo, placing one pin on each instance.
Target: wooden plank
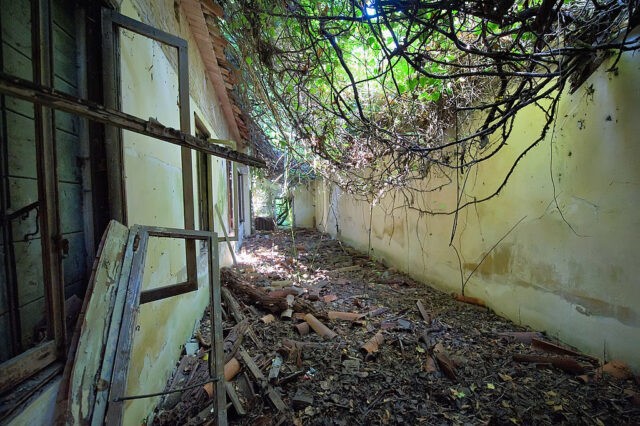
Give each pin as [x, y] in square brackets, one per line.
[69, 157]
[62, 14]
[216, 363]
[66, 122]
[423, 312]
[32, 322]
[273, 394]
[24, 192]
[64, 59]
[114, 331]
[70, 204]
[38, 94]
[29, 272]
[115, 410]
[63, 391]
[19, 65]
[16, 25]
[226, 236]
[233, 396]
[18, 368]
[74, 265]
[253, 368]
[95, 319]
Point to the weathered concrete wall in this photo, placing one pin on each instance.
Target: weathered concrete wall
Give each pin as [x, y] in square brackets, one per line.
[304, 205]
[581, 287]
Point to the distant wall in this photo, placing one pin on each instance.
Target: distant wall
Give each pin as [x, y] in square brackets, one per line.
[582, 287]
[304, 205]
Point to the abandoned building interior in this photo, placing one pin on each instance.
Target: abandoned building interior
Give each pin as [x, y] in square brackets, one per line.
[305, 212]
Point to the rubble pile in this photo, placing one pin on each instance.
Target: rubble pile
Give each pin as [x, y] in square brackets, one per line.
[318, 333]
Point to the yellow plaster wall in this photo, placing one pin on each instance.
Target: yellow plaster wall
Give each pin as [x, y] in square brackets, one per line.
[581, 287]
[154, 196]
[304, 205]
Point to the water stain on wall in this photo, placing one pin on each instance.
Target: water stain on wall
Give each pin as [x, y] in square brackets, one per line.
[498, 262]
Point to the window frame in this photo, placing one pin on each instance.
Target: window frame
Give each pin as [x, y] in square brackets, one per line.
[204, 180]
[232, 225]
[34, 360]
[241, 200]
[112, 22]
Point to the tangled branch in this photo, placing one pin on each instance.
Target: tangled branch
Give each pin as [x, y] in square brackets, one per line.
[369, 92]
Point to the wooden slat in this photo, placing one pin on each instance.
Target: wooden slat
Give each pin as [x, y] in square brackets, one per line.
[63, 410]
[212, 7]
[95, 324]
[106, 371]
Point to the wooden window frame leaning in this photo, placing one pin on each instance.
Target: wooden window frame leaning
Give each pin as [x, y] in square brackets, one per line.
[135, 297]
[112, 22]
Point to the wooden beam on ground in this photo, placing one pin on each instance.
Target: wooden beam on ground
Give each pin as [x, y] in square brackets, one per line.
[273, 394]
[24, 89]
[233, 396]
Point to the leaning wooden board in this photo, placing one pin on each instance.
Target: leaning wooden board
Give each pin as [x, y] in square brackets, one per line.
[75, 405]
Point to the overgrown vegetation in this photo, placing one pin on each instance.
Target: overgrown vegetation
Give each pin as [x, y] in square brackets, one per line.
[380, 95]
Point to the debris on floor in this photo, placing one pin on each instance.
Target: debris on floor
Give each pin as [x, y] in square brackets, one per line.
[318, 333]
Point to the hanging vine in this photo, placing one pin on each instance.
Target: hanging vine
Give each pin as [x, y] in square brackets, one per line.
[367, 93]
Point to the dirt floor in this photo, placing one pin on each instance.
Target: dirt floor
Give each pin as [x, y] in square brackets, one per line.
[452, 363]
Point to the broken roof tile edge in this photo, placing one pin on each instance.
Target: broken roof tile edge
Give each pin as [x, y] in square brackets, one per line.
[195, 12]
[225, 76]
